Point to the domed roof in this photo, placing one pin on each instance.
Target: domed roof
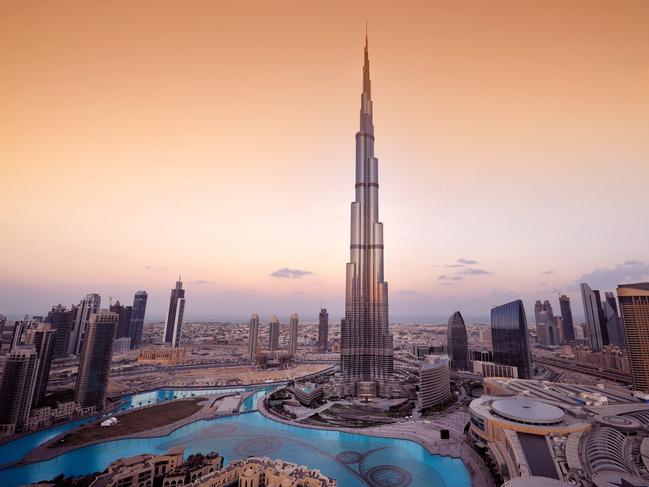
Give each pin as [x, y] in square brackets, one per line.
[523, 410]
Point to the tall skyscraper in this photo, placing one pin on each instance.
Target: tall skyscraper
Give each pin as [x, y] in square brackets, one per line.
[273, 334]
[3, 322]
[253, 338]
[510, 339]
[62, 321]
[566, 315]
[18, 333]
[323, 331]
[547, 328]
[366, 352]
[124, 323]
[613, 325]
[137, 318]
[634, 308]
[43, 337]
[595, 317]
[538, 307]
[96, 356]
[17, 388]
[457, 343]
[89, 305]
[175, 315]
[292, 334]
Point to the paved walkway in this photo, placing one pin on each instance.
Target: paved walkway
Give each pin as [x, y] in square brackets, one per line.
[425, 432]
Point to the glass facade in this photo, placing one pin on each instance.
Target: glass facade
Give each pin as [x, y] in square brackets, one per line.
[566, 316]
[510, 339]
[457, 343]
[137, 318]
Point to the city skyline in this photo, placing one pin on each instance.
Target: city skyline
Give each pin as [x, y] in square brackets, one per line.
[554, 121]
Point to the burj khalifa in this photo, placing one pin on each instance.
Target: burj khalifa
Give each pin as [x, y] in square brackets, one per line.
[366, 353]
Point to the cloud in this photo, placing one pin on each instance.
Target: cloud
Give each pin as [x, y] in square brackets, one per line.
[447, 284]
[200, 282]
[408, 292]
[453, 265]
[286, 273]
[155, 268]
[547, 273]
[298, 293]
[443, 277]
[543, 283]
[627, 272]
[457, 278]
[466, 261]
[474, 272]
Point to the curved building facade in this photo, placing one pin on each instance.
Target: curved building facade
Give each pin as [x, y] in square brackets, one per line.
[434, 381]
[510, 338]
[457, 343]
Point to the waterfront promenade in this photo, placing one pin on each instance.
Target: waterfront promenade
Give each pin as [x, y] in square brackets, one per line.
[425, 432]
[211, 407]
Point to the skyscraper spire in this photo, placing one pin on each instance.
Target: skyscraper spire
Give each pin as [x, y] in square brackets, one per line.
[367, 125]
[366, 343]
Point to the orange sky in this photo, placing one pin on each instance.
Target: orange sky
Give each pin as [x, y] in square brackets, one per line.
[143, 139]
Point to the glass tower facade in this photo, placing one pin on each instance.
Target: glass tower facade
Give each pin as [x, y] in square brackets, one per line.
[457, 343]
[566, 316]
[510, 338]
[137, 318]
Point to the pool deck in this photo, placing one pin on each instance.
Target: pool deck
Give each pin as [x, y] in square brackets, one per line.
[422, 431]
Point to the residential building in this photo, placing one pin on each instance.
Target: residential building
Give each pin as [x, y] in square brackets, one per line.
[137, 318]
[173, 329]
[95, 360]
[253, 338]
[634, 308]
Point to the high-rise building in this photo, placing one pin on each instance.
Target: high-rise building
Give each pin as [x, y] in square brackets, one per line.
[613, 325]
[566, 315]
[18, 333]
[292, 335]
[124, 323]
[538, 307]
[62, 321]
[18, 383]
[43, 337]
[96, 356]
[510, 338]
[457, 343]
[366, 351]
[253, 338]
[273, 334]
[547, 328]
[323, 331]
[89, 305]
[137, 318]
[634, 308]
[595, 317]
[175, 315]
[3, 322]
[434, 381]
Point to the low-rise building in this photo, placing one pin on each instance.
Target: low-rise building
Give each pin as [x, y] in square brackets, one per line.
[576, 434]
[161, 355]
[308, 393]
[491, 369]
[264, 472]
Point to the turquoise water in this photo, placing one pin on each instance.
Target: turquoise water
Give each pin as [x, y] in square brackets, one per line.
[353, 460]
